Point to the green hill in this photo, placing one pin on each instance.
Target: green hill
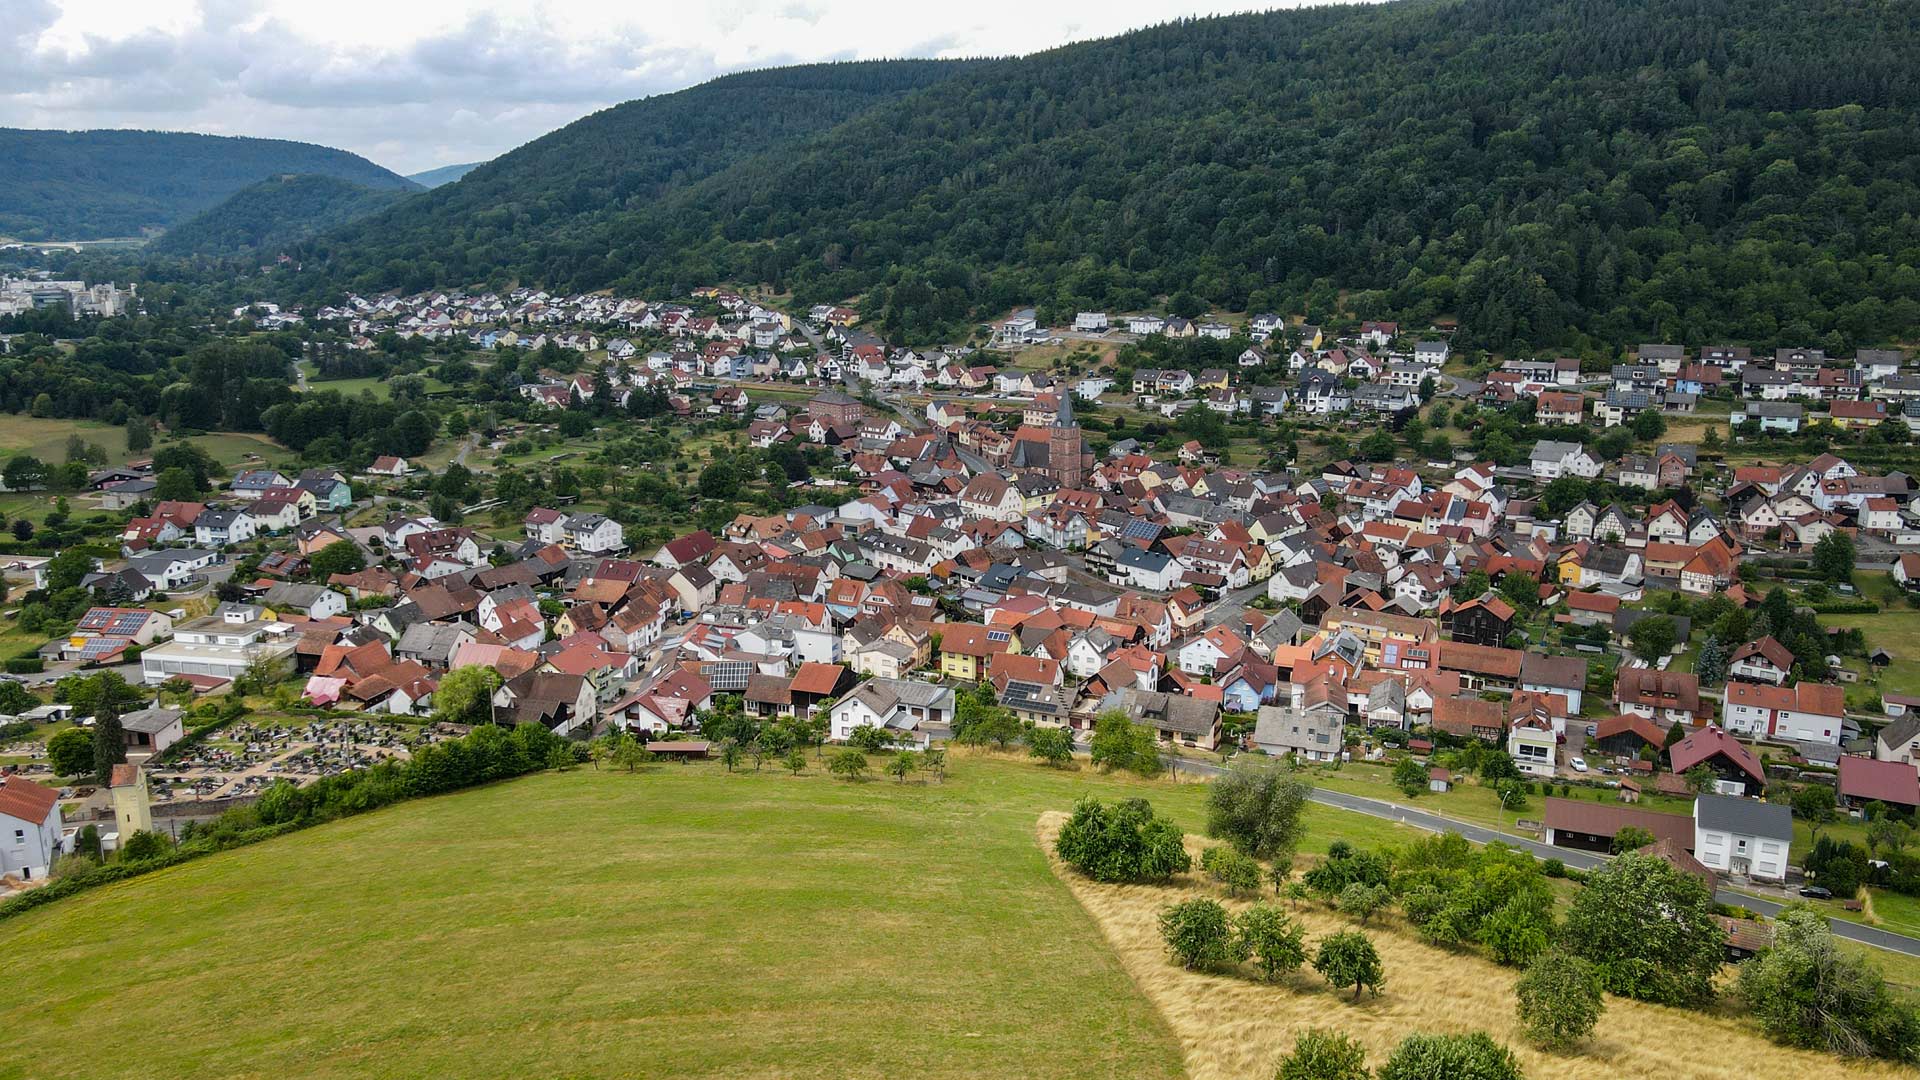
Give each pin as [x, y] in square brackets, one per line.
[274, 213]
[556, 201]
[445, 174]
[80, 185]
[1551, 172]
[680, 922]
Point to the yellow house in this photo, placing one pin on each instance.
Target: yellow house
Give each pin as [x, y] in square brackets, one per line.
[132, 809]
[919, 641]
[1570, 571]
[1211, 379]
[965, 649]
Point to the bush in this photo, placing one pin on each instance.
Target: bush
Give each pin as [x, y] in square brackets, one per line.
[1323, 1055]
[1554, 868]
[1451, 1057]
[1238, 872]
[25, 666]
[1559, 1000]
[1200, 936]
[70, 751]
[1361, 901]
[1124, 841]
[1342, 867]
[145, 845]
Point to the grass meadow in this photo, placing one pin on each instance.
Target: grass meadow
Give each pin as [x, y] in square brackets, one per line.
[676, 922]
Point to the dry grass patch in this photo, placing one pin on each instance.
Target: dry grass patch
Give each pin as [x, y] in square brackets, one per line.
[1234, 1028]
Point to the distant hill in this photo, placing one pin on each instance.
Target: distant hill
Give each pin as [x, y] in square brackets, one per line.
[1553, 173]
[445, 174]
[273, 214]
[80, 185]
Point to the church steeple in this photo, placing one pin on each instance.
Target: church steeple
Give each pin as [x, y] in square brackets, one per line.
[1063, 417]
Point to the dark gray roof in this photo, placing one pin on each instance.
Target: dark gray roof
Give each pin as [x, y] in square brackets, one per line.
[1745, 817]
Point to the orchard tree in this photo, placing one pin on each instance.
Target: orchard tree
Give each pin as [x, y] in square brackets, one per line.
[1276, 942]
[1361, 901]
[1200, 936]
[1051, 745]
[1649, 929]
[1349, 959]
[848, 764]
[1410, 777]
[1559, 1000]
[1806, 992]
[1258, 811]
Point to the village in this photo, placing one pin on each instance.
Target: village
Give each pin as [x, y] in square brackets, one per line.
[1591, 608]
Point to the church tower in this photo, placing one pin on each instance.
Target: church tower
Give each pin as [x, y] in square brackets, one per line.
[1066, 458]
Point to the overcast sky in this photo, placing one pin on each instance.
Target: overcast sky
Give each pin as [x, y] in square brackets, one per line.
[413, 84]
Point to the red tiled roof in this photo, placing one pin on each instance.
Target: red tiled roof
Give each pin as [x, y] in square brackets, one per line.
[1893, 782]
[26, 800]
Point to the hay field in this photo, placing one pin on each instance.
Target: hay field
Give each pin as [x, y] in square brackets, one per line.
[1235, 1028]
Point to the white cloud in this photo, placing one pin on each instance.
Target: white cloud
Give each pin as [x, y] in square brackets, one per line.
[422, 83]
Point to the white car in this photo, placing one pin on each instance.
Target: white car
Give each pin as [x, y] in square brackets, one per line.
[1579, 764]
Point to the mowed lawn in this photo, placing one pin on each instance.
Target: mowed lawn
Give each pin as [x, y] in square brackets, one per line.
[680, 922]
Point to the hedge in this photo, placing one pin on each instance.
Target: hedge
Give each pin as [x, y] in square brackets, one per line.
[1847, 607]
[22, 666]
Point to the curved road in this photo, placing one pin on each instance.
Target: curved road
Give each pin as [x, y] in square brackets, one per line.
[1581, 860]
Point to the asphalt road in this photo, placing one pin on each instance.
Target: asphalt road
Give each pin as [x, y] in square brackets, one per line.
[1581, 860]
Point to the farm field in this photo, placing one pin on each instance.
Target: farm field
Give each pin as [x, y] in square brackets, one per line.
[46, 439]
[1235, 1028]
[680, 922]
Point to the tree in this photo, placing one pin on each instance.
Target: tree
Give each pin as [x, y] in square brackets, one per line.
[1051, 745]
[1276, 942]
[175, 485]
[849, 764]
[139, 434]
[70, 751]
[1630, 838]
[1200, 936]
[1653, 637]
[1324, 1055]
[869, 738]
[1258, 811]
[1410, 777]
[1559, 1000]
[1474, 1056]
[465, 695]
[903, 765]
[1649, 929]
[109, 741]
[984, 721]
[630, 753]
[1711, 664]
[16, 699]
[1119, 743]
[1806, 992]
[339, 557]
[1700, 779]
[1887, 833]
[1122, 842]
[24, 472]
[1833, 556]
[796, 762]
[730, 754]
[1649, 425]
[1814, 804]
[65, 570]
[1348, 958]
[1361, 901]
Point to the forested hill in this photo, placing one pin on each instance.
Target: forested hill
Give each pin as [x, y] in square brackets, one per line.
[445, 174]
[1551, 172]
[545, 211]
[80, 185]
[267, 217]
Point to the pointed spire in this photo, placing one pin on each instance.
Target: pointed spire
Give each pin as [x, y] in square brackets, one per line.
[1064, 416]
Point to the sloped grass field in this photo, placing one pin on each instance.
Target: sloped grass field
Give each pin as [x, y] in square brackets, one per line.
[679, 922]
[1237, 1028]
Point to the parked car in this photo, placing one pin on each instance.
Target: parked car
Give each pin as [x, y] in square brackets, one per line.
[1816, 892]
[1592, 729]
[1579, 764]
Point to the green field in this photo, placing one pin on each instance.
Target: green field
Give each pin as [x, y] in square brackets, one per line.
[681, 922]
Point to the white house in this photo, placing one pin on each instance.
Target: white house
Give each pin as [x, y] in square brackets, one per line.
[29, 827]
[1552, 459]
[1533, 745]
[1742, 837]
[905, 707]
[218, 528]
[593, 534]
